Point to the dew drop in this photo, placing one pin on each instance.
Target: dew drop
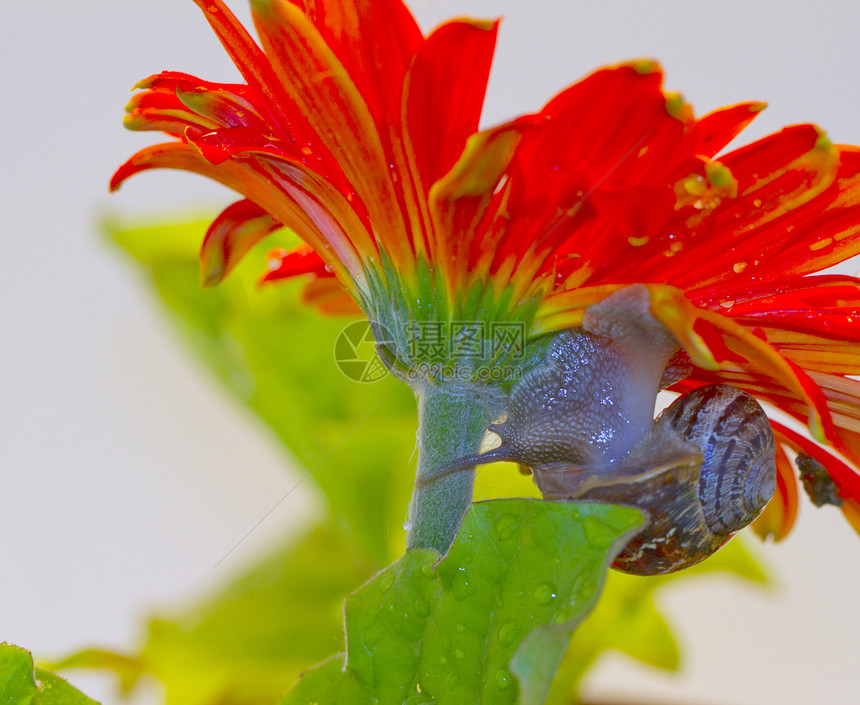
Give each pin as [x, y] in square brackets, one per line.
[638, 241]
[545, 593]
[507, 526]
[821, 244]
[598, 535]
[461, 586]
[385, 582]
[503, 679]
[757, 203]
[739, 267]
[422, 607]
[459, 653]
[460, 627]
[508, 633]
[374, 633]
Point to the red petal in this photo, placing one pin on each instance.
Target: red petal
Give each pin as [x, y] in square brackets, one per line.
[823, 231]
[329, 297]
[779, 515]
[612, 132]
[235, 231]
[459, 200]
[716, 129]
[275, 187]
[738, 237]
[334, 109]
[283, 264]
[444, 95]
[164, 112]
[251, 62]
[376, 41]
[827, 307]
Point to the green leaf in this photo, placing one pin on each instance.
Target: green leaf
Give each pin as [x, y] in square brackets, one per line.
[488, 623]
[23, 684]
[276, 356]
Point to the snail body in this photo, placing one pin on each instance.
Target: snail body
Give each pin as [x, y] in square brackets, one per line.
[582, 421]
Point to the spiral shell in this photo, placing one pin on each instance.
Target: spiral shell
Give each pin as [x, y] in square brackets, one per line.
[705, 471]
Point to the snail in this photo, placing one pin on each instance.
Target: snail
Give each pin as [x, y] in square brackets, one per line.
[583, 421]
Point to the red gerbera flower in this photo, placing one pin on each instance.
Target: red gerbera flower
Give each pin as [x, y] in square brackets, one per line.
[361, 135]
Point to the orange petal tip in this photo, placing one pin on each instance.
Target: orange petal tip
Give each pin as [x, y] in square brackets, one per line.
[757, 107]
[644, 67]
[677, 108]
[210, 276]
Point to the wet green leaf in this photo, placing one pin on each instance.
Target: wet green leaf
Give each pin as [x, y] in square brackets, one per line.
[23, 684]
[488, 623]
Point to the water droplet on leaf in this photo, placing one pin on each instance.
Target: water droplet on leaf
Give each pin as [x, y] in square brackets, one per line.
[507, 526]
[545, 593]
[385, 582]
[461, 587]
[508, 633]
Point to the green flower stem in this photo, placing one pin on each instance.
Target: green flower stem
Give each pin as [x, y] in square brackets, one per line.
[450, 425]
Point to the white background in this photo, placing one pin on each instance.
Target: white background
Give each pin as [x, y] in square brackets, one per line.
[126, 474]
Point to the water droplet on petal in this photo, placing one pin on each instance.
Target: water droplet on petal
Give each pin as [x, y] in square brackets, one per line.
[739, 267]
[821, 244]
[757, 203]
